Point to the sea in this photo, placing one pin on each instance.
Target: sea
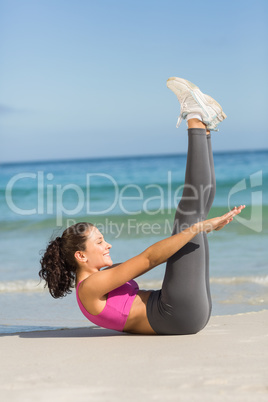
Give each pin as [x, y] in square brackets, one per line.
[132, 200]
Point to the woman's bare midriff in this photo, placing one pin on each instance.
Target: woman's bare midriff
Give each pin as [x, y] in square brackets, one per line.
[137, 321]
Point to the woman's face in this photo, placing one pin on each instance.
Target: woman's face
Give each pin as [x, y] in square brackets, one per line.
[97, 250]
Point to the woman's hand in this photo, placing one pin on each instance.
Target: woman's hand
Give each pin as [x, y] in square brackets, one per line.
[219, 222]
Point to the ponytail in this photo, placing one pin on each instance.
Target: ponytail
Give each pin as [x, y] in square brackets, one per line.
[58, 264]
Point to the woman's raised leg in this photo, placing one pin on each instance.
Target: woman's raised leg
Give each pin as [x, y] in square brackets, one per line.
[183, 305]
[184, 302]
[185, 289]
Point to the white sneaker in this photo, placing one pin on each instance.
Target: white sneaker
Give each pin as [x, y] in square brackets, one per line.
[192, 100]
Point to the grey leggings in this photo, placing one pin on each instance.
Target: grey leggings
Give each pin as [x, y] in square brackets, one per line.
[183, 305]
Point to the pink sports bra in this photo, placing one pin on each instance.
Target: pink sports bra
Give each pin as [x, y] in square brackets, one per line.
[118, 304]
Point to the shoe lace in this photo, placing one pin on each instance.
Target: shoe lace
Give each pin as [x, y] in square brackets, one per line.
[183, 106]
[185, 100]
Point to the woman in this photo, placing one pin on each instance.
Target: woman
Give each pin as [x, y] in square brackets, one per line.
[110, 297]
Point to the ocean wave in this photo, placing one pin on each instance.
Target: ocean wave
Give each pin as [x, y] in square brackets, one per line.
[150, 215]
[28, 285]
[236, 280]
[31, 285]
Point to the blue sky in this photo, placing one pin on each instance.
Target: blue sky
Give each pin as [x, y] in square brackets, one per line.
[88, 78]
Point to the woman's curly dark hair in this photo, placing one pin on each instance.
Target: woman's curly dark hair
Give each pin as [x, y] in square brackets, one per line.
[59, 264]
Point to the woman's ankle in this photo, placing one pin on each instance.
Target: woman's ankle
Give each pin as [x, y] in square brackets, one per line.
[195, 123]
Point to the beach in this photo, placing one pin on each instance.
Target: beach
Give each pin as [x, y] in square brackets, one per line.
[132, 201]
[226, 361]
[50, 351]
[88, 123]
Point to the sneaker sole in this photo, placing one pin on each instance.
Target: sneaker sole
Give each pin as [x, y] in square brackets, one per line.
[203, 99]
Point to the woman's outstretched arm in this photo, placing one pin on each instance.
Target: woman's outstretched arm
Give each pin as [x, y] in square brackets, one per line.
[102, 282]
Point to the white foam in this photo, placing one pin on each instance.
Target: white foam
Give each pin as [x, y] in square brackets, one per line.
[28, 285]
[260, 280]
[31, 285]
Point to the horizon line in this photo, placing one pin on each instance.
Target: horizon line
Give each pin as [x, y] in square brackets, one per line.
[99, 158]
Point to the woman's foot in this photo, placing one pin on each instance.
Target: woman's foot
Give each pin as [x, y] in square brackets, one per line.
[192, 100]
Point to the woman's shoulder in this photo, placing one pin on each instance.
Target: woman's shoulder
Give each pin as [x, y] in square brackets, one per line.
[93, 304]
[89, 282]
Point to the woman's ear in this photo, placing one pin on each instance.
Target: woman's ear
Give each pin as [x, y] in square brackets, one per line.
[80, 256]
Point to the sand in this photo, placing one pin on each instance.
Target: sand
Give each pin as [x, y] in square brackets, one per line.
[227, 361]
